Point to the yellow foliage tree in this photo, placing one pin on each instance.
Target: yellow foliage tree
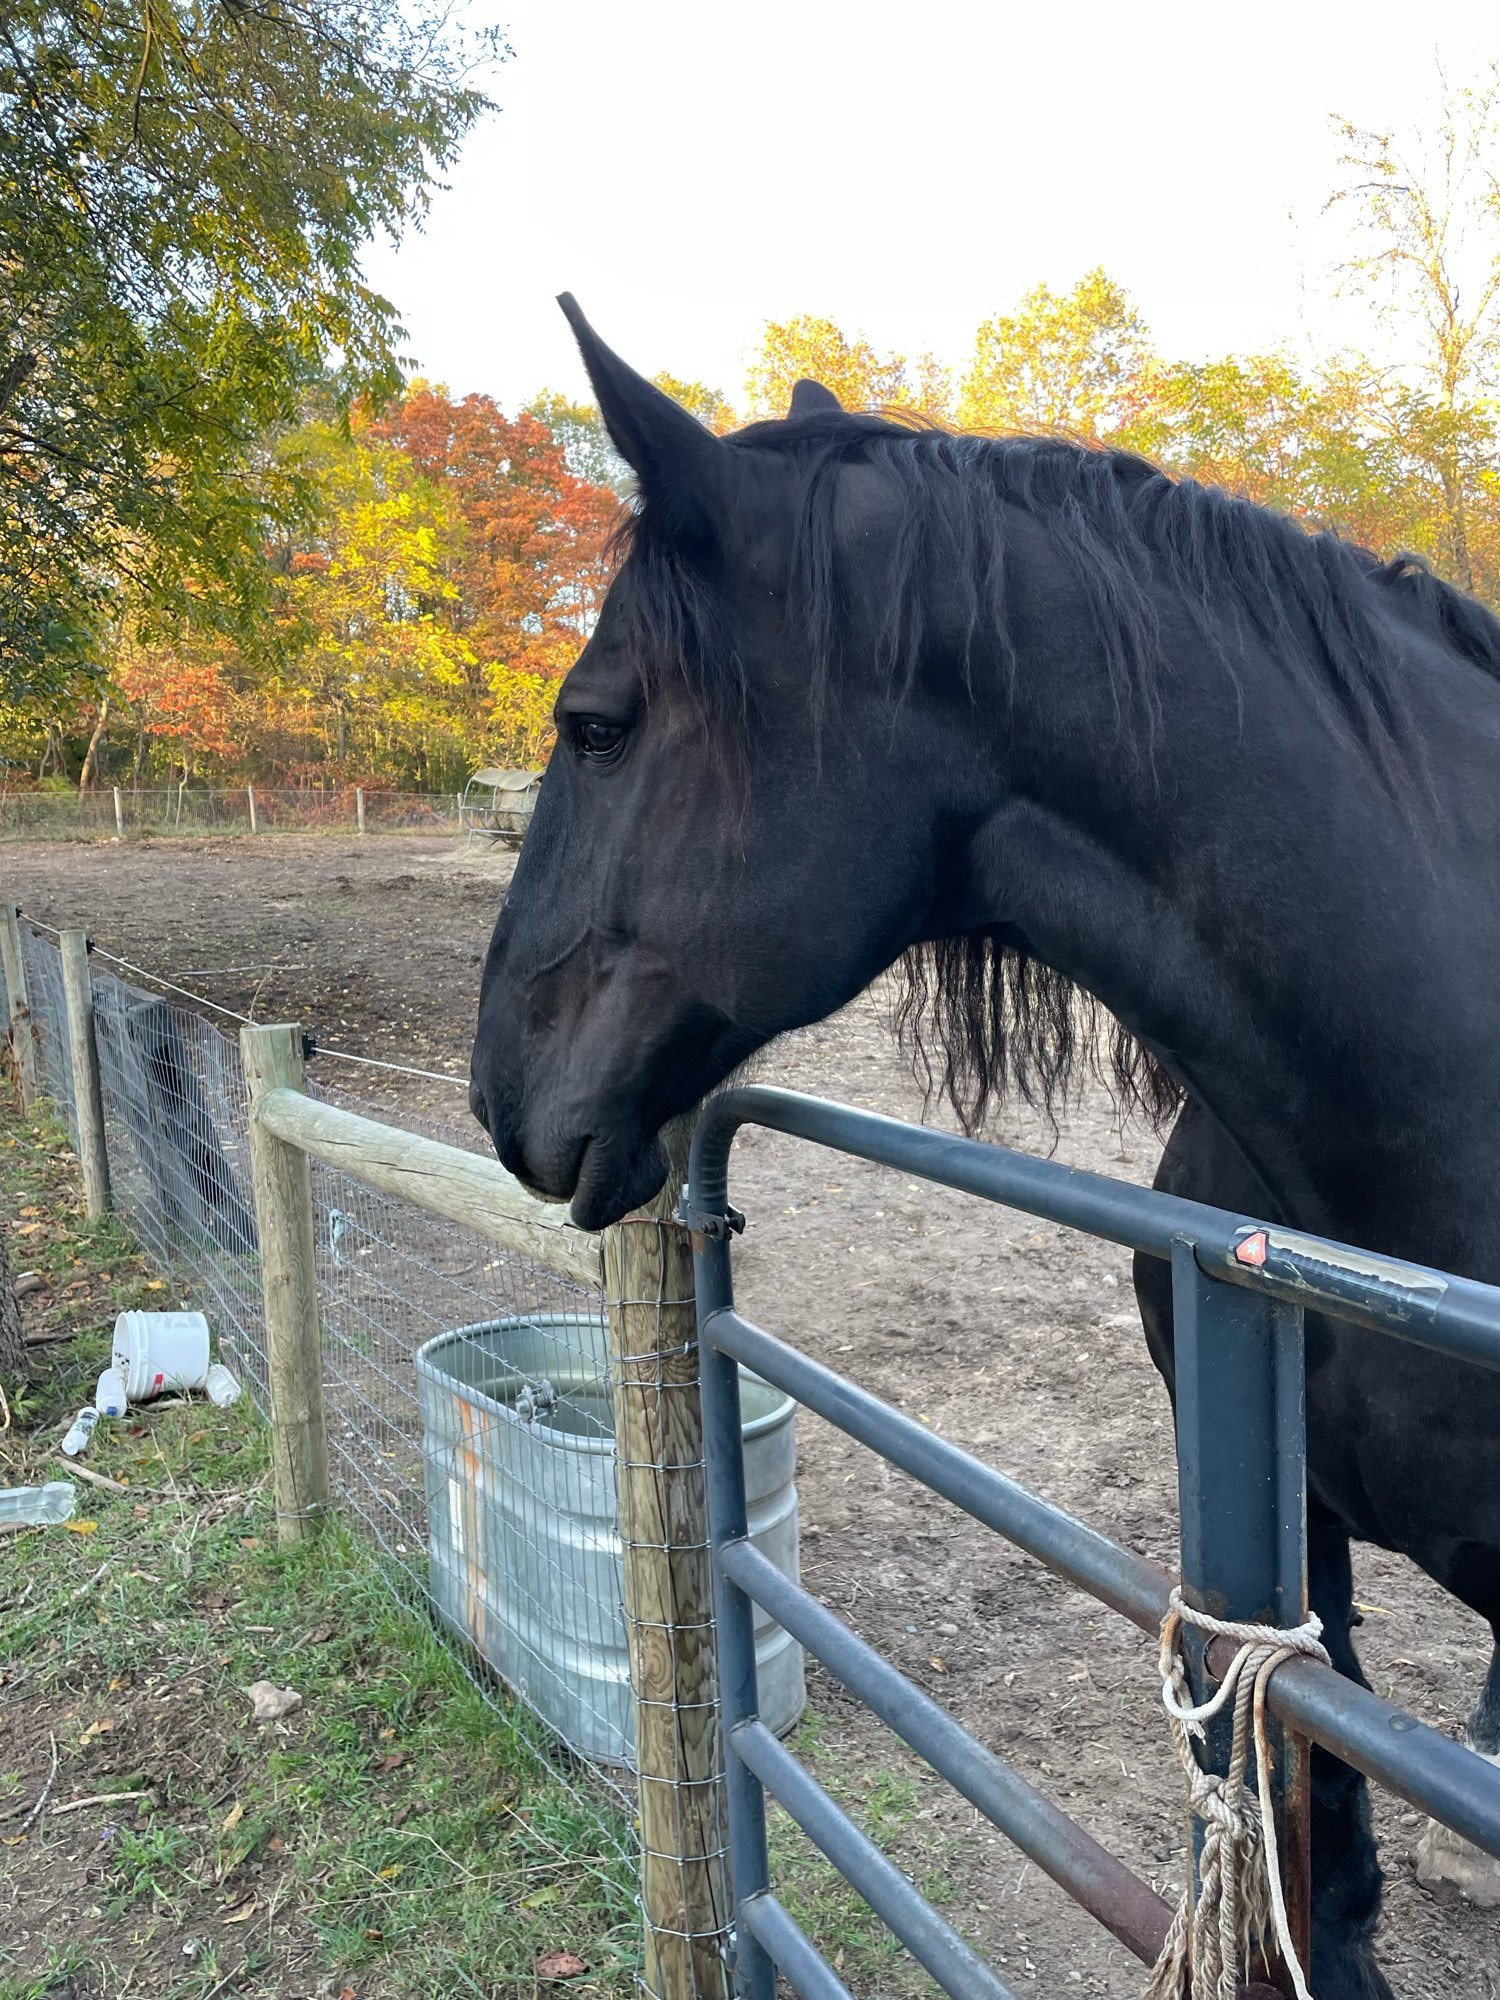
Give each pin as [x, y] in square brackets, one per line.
[375, 598]
[1426, 210]
[1064, 361]
[861, 378]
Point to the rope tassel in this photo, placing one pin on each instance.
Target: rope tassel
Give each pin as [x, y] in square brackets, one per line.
[1239, 1906]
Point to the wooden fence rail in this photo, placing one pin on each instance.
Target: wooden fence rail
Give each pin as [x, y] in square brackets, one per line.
[647, 1275]
[461, 1187]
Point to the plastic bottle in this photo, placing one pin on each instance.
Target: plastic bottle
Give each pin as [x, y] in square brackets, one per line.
[221, 1387]
[35, 1506]
[81, 1430]
[110, 1398]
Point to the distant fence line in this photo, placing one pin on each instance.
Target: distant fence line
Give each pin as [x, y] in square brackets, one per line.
[120, 811]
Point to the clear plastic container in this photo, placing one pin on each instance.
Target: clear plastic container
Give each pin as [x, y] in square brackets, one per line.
[36, 1506]
[81, 1430]
[221, 1387]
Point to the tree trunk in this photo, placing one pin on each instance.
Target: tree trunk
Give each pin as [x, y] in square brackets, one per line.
[1458, 528]
[90, 769]
[12, 1353]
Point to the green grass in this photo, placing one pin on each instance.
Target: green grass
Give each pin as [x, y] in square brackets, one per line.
[402, 1833]
[885, 1804]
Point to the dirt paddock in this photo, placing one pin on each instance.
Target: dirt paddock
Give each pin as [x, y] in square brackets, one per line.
[1018, 1340]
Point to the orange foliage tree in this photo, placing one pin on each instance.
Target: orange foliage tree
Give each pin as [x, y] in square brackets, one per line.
[529, 565]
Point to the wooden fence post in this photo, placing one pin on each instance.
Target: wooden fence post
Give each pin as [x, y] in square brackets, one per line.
[88, 1099]
[119, 814]
[250, 795]
[359, 806]
[20, 1011]
[294, 1350]
[648, 1280]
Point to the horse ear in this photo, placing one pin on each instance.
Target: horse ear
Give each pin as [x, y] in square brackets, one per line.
[673, 456]
[812, 399]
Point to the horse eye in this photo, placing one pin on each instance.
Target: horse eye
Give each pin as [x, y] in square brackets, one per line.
[600, 741]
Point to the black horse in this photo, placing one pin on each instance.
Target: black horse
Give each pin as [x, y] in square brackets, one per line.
[1047, 730]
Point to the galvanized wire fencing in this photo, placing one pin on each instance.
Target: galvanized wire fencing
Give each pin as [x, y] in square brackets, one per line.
[471, 1415]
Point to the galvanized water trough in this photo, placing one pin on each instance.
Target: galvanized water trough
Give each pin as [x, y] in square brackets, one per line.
[523, 1543]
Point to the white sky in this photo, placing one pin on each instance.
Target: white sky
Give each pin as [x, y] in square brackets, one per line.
[691, 170]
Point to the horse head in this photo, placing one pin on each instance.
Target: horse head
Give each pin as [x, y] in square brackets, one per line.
[720, 851]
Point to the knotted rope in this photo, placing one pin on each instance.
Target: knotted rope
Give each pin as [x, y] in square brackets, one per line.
[1239, 1901]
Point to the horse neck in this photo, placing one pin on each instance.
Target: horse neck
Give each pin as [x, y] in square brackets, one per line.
[1312, 958]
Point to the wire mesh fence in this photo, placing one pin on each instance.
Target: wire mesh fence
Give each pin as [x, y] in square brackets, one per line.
[162, 811]
[468, 1391]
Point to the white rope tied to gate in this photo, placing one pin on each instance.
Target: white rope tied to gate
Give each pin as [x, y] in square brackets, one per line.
[1239, 1900]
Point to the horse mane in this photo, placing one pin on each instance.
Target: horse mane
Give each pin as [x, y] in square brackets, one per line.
[1444, 612]
[979, 1016]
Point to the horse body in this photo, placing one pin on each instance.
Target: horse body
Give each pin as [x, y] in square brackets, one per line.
[1040, 721]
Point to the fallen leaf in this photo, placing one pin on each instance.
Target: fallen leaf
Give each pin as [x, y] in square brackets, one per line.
[270, 1703]
[242, 1912]
[386, 1735]
[276, 1845]
[100, 1728]
[938, 1663]
[560, 1965]
[401, 1815]
[160, 1284]
[319, 1635]
[30, 1209]
[389, 1763]
[374, 1935]
[540, 1898]
[233, 1817]
[390, 1874]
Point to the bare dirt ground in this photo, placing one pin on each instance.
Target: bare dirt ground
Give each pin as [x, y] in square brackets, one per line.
[1018, 1340]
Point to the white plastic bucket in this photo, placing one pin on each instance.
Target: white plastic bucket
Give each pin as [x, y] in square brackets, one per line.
[158, 1353]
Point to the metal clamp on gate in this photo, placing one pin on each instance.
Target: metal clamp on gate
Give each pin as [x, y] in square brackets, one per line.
[717, 1225]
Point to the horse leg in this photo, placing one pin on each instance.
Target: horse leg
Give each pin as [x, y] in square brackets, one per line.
[1345, 1871]
[1444, 1856]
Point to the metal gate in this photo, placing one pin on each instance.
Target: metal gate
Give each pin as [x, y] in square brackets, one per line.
[1239, 1291]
